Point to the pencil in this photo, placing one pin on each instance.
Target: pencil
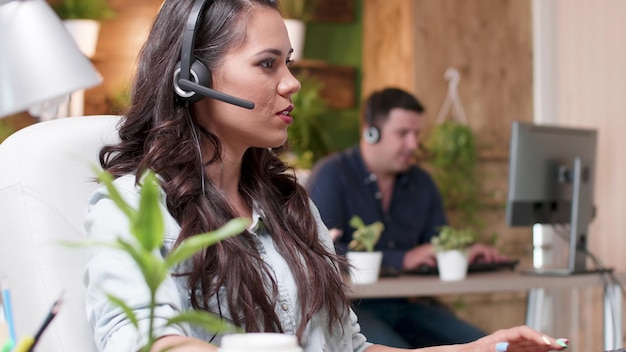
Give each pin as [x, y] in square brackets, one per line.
[6, 304]
[54, 310]
[24, 345]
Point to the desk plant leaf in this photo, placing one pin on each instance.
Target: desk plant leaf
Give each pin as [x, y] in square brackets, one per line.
[450, 238]
[147, 227]
[365, 237]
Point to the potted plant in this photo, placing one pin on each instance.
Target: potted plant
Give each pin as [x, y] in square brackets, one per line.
[364, 260]
[82, 20]
[147, 227]
[296, 13]
[451, 247]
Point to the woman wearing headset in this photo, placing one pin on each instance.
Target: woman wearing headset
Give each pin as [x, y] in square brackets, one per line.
[210, 109]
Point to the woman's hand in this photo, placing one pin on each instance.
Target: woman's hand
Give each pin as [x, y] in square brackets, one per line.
[518, 339]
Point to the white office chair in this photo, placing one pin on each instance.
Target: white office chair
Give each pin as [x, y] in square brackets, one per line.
[46, 179]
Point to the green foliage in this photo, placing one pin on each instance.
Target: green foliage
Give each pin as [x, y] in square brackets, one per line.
[5, 131]
[120, 101]
[84, 9]
[298, 9]
[451, 238]
[147, 229]
[452, 149]
[365, 237]
[308, 138]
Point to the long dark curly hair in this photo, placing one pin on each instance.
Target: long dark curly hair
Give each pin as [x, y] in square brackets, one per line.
[156, 135]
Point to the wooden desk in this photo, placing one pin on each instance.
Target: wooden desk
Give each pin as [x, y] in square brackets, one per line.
[507, 281]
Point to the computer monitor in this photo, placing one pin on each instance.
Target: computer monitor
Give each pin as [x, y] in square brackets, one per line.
[551, 179]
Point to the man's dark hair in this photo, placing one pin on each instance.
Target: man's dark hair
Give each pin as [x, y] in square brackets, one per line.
[378, 105]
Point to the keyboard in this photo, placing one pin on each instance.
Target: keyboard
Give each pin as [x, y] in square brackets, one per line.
[432, 270]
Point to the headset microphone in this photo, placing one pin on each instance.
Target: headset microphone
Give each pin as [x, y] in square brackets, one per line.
[212, 93]
[192, 78]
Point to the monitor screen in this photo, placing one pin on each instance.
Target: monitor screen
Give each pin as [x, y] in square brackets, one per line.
[551, 178]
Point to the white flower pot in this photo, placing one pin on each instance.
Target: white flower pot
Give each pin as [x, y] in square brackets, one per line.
[365, 266]
[296, 30]
[85, 34]
[452, 265]
[259, 341]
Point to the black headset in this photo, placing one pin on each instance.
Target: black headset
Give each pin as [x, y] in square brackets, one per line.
[192, 79]
[371, 134]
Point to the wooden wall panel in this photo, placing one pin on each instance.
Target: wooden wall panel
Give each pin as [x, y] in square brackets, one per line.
[118, 46]
[388, 48]
[410, 44]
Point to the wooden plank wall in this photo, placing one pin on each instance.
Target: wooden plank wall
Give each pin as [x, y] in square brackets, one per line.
[410, 44]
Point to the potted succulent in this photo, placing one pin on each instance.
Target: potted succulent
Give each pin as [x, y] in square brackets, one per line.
[364, 260]
[451, 247]
[82, 20]
[296, 13]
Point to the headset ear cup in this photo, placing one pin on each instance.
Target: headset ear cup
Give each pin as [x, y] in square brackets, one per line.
[371, 135]
[200, 75]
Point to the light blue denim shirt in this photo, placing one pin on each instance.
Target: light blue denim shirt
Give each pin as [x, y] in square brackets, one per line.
[114, 272]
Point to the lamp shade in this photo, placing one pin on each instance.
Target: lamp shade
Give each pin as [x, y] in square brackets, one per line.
[39, 61]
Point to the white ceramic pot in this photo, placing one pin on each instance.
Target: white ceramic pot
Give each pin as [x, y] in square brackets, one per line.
[259, 342]
[296, 30]
[365, 266]
[452, 265]
[85, 34]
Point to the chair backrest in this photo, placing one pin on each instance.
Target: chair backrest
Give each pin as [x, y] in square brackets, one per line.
[46, 178]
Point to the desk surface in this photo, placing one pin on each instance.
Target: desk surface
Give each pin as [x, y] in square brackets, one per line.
[499, 281]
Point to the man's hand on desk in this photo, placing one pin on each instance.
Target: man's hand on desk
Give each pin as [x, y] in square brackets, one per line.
[485, 253]
[421, 255]
[425, 255]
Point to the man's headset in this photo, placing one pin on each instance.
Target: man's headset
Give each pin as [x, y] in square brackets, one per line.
[192, 79]
[371, 134]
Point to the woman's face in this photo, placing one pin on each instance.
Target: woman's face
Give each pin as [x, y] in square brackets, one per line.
[257, 71]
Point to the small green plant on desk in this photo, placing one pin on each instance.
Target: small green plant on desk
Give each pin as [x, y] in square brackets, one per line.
[147, 228]
[450, 238]
[365, 237]
[364, 260]
[451, 249]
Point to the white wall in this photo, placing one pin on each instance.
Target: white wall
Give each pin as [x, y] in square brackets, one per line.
[580, 80]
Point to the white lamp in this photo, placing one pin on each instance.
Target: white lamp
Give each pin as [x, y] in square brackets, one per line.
[39, 61]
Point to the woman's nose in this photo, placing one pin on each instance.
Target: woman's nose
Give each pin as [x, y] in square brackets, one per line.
[289, 85]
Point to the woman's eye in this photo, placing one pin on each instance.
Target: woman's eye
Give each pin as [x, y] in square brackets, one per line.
[289, 62]
[268, 63]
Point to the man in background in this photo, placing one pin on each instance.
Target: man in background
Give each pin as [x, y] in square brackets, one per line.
[379, 181]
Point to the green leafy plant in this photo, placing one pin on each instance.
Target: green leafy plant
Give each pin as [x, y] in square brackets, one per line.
[365, 237]
[450, 238]
[298, 9]
[452, 154]
[147, 228]
[5, 131]
[83, 9]
[307, 136]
